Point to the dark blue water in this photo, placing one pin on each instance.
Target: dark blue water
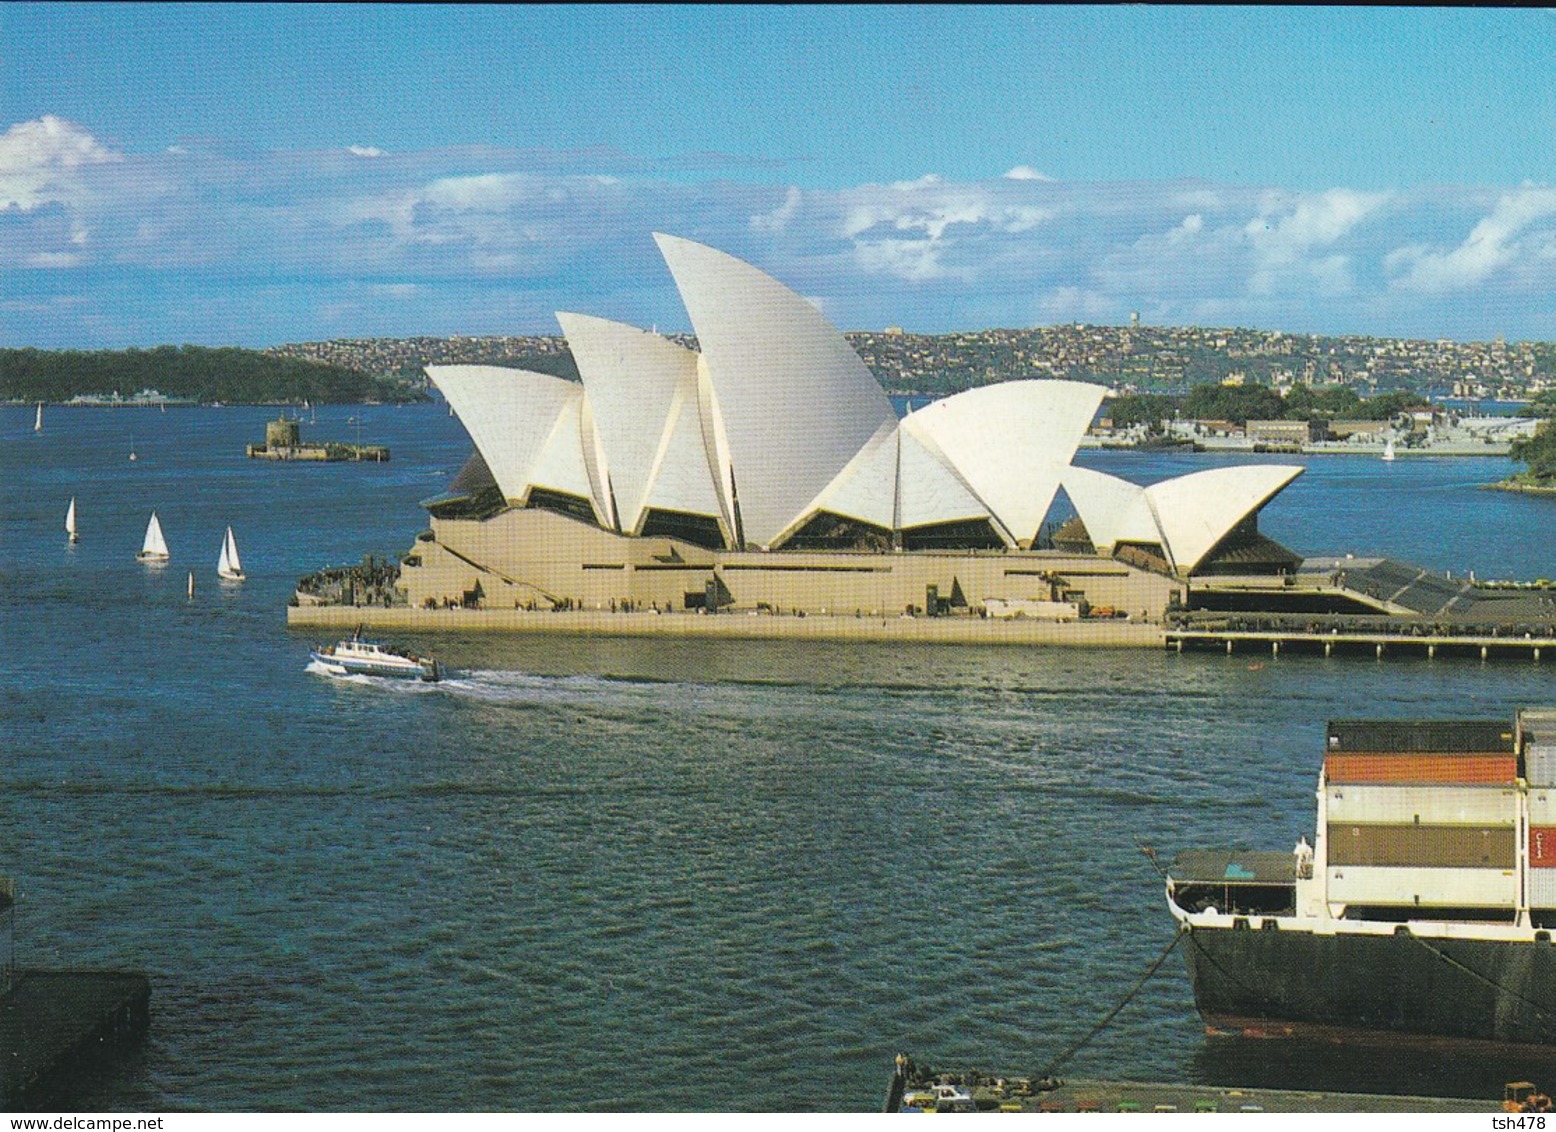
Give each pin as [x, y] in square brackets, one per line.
[624, 874]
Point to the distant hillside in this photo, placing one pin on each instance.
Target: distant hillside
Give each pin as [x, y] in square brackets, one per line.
[1132, 358]
[190, 373]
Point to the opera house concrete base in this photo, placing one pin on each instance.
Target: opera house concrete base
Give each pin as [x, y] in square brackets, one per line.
[534, 570]
[943, 630]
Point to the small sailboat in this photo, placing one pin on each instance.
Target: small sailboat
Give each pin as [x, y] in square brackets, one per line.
[191, 585]
[70, 521]
[1388, 449]
[132, 447]
[37, 422]
[228, 566]
[154, 549]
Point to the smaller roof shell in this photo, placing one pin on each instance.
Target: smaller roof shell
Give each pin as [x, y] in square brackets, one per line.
[1010, 444]
[1197, 511]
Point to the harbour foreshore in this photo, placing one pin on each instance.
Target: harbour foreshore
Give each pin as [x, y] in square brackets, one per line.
[950, 630]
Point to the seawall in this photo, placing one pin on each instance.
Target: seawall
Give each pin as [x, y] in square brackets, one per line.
[949, 630]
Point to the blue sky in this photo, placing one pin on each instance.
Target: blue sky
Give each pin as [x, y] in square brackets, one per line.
[254, 175]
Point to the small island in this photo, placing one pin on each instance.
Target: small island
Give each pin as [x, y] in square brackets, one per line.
[283, 441]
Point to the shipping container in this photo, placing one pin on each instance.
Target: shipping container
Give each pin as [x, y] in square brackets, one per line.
[1420, 736]
[1542, 847]
[1542, 888]
[1542, 807]
[1441, 888]
[1540, 764]
[1537, 721]
[1483, 769]
[1423, 846]
[1425, 805]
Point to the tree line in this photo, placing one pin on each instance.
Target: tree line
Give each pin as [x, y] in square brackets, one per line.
[1240, 404]
[193, 373]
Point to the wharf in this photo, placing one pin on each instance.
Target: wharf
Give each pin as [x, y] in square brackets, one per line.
[56, 1020]
[1378, 644]
[1141, 1096]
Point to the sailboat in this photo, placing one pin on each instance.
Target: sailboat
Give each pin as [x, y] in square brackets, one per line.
[154, 549]
[229, 567]
[37, 422]
[70, 520]
[1388, 449]
[191, 585]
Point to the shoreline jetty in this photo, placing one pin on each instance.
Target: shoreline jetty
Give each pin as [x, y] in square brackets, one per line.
[283, 441]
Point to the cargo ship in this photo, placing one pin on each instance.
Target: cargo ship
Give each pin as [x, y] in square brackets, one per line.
[1424, 909]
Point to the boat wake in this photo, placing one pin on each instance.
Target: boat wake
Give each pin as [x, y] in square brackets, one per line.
[506, 686]
[492, 686]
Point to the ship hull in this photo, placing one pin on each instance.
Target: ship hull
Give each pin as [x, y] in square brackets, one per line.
[1294, 981]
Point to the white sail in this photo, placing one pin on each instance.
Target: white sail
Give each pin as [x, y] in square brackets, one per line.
[1388, 449]
[228, 565]
[70, 519]
[154, 548]
[37, 424]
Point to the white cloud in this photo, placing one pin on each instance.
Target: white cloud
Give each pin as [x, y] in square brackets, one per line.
[1026, 173]
[364, 151]
[442, 229]
[40, 162]
[914, 229]
[778, 219]
[1076, 304]
[1292, 230]
[53, 259]
[1492, 244]
[1290, 224]
[913, 260]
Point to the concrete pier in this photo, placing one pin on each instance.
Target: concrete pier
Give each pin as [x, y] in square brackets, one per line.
[53, 1021]
[1380, 645]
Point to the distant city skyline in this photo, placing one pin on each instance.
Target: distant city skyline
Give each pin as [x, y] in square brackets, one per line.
[255, 175]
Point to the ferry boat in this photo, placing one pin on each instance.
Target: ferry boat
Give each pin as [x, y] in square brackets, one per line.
[1423, 909]
[364, 658]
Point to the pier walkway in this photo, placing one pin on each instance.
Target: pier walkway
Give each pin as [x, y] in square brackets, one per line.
[1380, 644]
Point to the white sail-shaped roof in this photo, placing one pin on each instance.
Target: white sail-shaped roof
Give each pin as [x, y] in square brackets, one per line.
[930, 492]
[642, 389]
[681, 476]
[510, 414]
[797, 403]
[866, 488]
[562, 464]
[1112, 509]
[1010, 443]
[1197, 511]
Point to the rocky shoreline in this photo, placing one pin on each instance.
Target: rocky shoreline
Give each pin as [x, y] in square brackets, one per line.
[1523, 488]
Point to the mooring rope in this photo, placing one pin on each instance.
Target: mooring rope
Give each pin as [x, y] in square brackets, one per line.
[1053, 1066]
[1542, 1011]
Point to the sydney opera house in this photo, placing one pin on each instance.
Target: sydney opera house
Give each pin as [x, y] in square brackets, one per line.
[767, 471]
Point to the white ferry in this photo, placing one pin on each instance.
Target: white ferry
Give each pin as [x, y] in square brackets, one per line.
[364, 658]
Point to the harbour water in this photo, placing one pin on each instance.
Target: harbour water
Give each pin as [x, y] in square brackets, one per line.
[637, 874]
